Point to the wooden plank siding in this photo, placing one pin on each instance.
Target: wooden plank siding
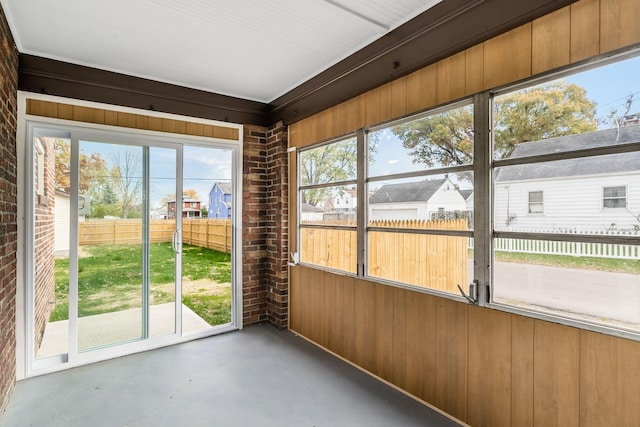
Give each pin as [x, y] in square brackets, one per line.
[55, 110]
[486, 367]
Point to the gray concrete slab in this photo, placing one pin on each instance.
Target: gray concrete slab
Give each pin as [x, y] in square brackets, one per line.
[257, 376]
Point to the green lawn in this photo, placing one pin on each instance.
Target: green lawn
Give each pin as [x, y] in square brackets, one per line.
[587, 263]
[110, 277]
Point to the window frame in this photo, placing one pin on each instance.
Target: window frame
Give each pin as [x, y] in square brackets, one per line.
[489, 234]
[610, 198]
[535, 203]
[342, 183]
[483, 167]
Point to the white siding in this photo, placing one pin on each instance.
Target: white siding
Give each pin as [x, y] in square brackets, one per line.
[62, 219]
[448, 198]
[397, 211]
[568, 203]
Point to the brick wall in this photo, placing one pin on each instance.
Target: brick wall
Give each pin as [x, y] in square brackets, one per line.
[254, 224]
[277, 195]
[264, 222]
[8, 209]
[44, 278]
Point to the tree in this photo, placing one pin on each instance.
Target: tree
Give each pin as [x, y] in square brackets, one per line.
[329, 163]
[551, 110]
[554, 109]
[126, 179]
[93, 170]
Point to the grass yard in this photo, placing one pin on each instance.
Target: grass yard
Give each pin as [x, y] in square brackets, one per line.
[110, 279]
[614, 265]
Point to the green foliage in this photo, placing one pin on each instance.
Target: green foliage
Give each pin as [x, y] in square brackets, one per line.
[551, 110]
[441, 139]
[328, 163]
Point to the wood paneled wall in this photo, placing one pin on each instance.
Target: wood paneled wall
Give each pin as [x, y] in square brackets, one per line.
[483, 366]
[577, 32]
[127, 120]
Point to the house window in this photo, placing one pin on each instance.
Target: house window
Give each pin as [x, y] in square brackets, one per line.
[325, 173]
[551, 137]
[554, 135]
[614, 197]
[536, 205]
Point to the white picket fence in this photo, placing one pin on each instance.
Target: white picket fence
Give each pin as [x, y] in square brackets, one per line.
[577, 249]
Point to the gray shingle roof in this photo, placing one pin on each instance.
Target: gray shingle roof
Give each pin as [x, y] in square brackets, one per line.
[465, 193]
[306, 207]
[575, 167]
[420, 191]
[225, 187]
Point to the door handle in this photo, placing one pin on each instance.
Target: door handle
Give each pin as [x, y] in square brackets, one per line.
[175, 244]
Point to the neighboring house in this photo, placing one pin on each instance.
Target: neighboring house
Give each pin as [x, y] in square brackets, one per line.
[415, 200]
[220, 200]
[190, 208]
[588, 194]
[347, 201]
[159, 213]
[62, 220]
[468, 198]
[311, 213]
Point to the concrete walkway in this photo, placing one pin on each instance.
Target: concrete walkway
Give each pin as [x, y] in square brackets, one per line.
[120, 326]
[584, 294]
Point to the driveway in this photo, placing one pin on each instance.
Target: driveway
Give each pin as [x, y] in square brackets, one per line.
[601, 295]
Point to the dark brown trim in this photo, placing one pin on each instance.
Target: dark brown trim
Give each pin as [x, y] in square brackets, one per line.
[52, 77]
[448, 28]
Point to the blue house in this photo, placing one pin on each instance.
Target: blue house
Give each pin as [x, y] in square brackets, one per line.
[220, 200]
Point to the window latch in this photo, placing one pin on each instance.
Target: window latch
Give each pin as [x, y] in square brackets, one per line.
[472, 297]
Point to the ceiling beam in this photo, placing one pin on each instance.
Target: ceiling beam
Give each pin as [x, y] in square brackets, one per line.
[59, 78]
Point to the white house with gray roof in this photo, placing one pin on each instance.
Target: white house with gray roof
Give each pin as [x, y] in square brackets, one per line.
[415, 200]
[584, 194]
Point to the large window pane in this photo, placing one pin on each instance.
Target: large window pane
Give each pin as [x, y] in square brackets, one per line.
[328, 163]
[593, 195]
[593, 282]
[418, 201]
[331, 248]
[438, 140]
[594, 108]
[429, 261]
[329, 205]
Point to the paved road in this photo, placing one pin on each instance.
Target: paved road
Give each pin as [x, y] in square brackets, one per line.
[602, 295]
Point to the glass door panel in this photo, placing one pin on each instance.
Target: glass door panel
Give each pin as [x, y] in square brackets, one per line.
[51, 207]
[111, 245]
[206, 238]
[163, 258]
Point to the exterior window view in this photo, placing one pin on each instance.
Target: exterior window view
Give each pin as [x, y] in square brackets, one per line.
[123, 213]
[565, 207]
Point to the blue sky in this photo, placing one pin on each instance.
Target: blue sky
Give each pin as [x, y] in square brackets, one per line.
[202, 167]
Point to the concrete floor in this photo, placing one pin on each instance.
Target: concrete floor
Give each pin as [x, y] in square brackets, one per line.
[255, 377]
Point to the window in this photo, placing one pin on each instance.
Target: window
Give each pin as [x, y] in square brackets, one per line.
[327, 234]
[540, 207]
[567, 262]
[536, 205]
[614, 197]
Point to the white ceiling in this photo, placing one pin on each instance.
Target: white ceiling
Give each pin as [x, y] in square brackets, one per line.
[252, 49]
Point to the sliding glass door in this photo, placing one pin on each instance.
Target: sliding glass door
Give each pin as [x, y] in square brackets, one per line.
[131, 243]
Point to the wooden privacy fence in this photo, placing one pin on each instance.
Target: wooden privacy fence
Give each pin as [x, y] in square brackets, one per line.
[432, 261]
[207, 233]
